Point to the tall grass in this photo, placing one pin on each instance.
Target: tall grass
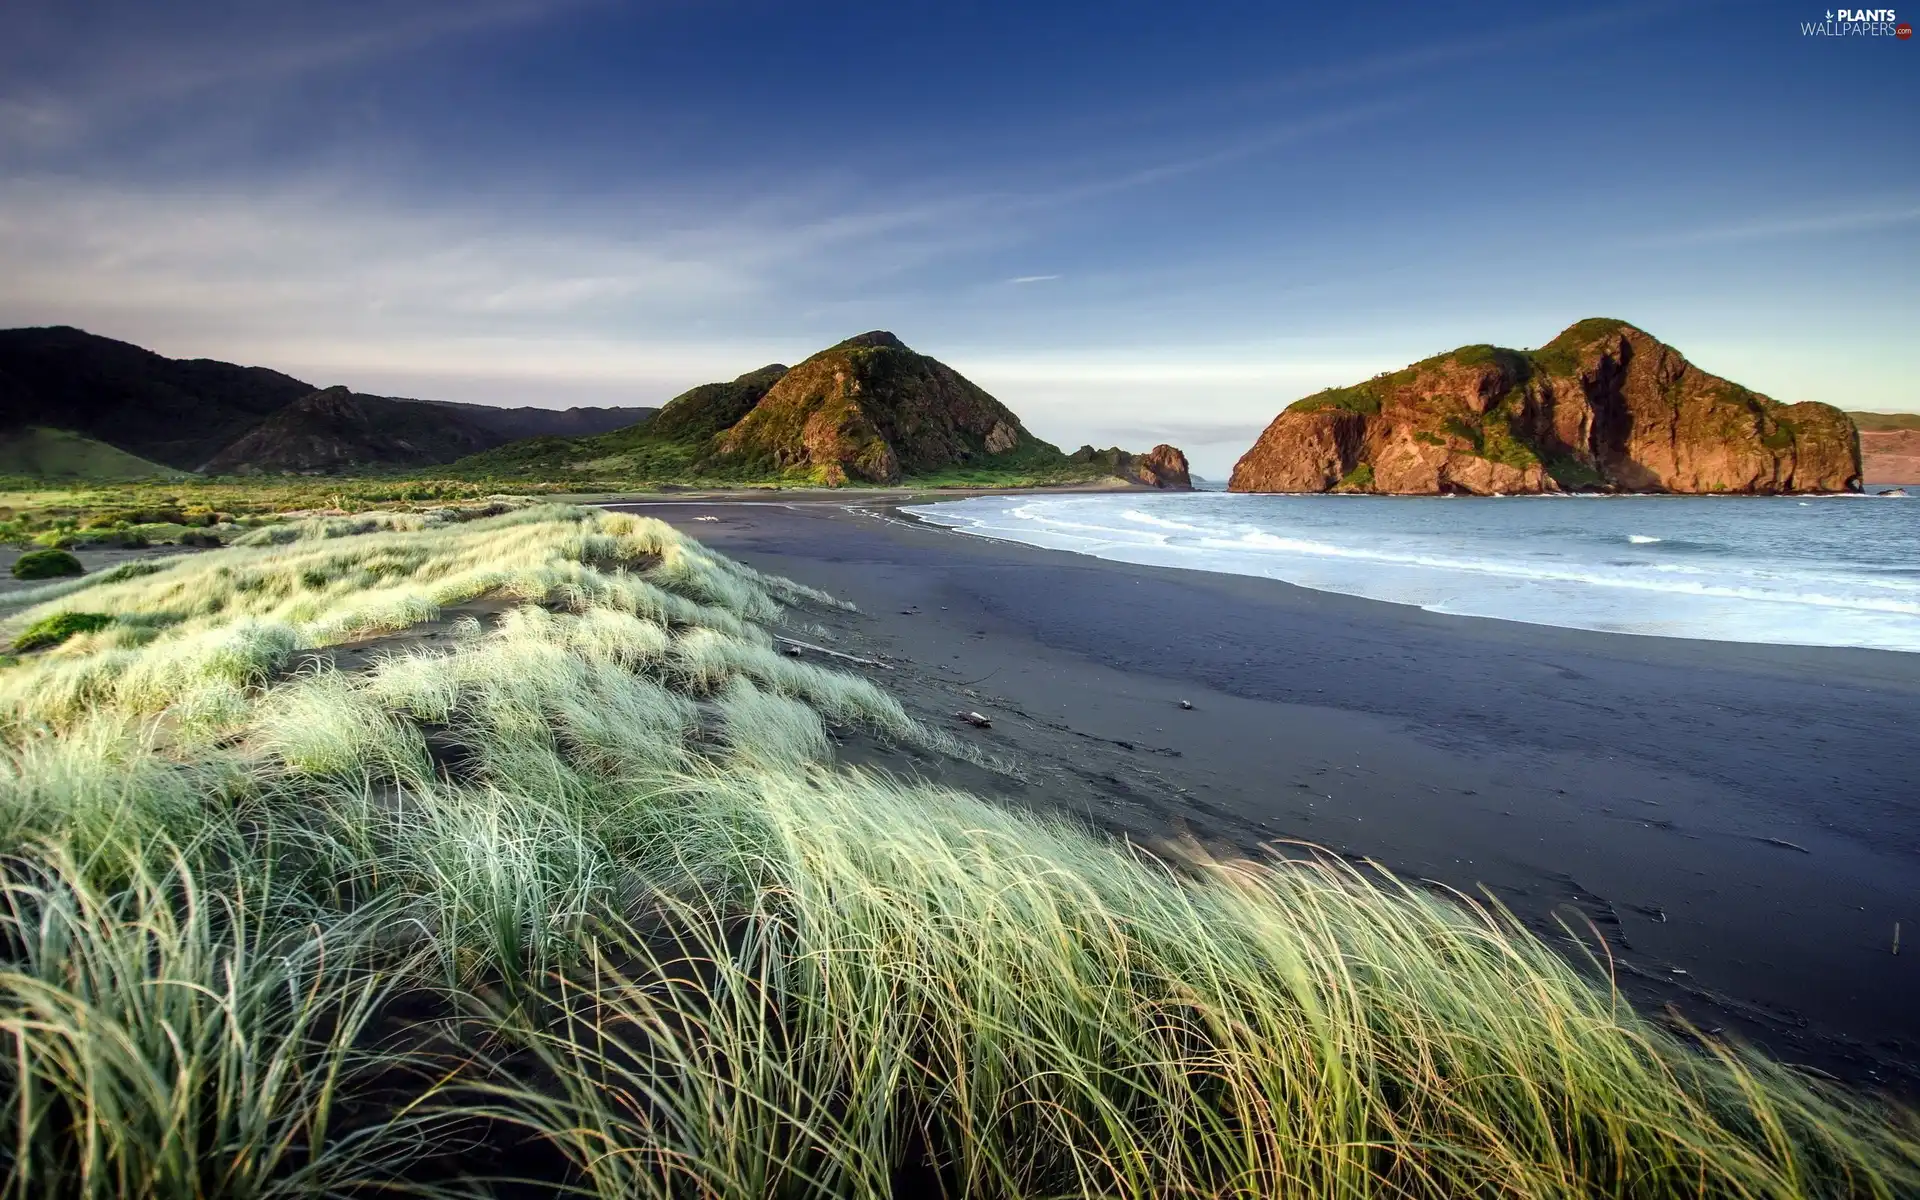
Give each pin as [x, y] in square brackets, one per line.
[574, 895]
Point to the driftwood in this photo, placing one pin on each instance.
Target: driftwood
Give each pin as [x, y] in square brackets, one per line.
[795, 644]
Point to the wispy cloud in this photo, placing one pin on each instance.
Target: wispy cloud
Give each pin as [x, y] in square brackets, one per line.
[1842, 216]
[79, 67]
[1032, 278]
[330, 276]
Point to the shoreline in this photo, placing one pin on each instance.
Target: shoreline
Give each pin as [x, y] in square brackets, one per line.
[1735, 820]
[1098, 541]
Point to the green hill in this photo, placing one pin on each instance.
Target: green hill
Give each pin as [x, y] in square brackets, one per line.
[41, 453]
[1884, 422]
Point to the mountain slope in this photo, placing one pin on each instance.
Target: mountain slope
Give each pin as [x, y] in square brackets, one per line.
[178, 412]
[870, 409]
[1885, 422]
[185, 413]
[1604, 407]
[509, 424]
[674, 443]
[37, 452]
[337, 430]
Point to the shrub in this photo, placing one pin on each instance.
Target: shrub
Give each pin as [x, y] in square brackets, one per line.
[51, 631]
[46, 564]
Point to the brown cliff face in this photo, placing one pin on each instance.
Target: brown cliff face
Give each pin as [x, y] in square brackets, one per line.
[1602, 407]
[870, 409]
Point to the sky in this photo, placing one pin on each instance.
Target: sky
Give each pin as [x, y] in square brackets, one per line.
[1131, 222]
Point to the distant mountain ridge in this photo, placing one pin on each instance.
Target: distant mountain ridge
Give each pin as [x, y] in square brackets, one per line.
[177, 412]
[1604, 406]
[866, 410]
[190, 414]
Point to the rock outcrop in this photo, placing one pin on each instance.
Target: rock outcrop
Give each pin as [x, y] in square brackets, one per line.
[1163, 466]
[870, 410]
[1603, 407]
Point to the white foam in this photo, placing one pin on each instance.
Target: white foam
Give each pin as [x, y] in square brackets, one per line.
[1750, 570]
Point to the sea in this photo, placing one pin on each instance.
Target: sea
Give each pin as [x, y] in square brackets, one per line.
[1816, 571]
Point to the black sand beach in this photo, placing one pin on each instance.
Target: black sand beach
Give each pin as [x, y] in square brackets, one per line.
[1741, 823]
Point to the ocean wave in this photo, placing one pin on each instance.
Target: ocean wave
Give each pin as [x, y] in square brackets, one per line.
[1759, 576]
[1134, 514]
[1509, 569]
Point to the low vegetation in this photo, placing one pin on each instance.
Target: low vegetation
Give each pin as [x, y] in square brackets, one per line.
[57, 628]
[507, 856]
[46, 564]
[59, 454]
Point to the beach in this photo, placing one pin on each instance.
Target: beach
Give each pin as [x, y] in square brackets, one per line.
[1731, 828]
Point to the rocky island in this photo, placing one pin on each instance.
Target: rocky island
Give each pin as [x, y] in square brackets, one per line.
[1605, 406]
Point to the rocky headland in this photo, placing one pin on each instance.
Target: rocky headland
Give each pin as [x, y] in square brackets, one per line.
[1162, 467]
[1603, 407]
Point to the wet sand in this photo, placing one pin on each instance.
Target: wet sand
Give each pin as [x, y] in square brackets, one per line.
[1740, 823]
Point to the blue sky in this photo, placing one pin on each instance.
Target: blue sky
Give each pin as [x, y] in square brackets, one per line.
[1131, 222]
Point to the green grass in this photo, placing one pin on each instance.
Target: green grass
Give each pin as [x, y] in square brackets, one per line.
[60, 455]
[52, 630]
[1562, 355]
[576, 892]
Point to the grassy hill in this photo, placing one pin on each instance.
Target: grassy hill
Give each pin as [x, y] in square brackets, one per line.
[1885, 422]
[865, 410]
[62, 455]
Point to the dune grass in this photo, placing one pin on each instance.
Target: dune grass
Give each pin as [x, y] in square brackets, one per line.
[572, 897]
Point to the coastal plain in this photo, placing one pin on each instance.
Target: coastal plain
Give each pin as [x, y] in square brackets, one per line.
[1729, 829]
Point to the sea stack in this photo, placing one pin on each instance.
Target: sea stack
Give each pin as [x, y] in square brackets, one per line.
[1603, 407]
